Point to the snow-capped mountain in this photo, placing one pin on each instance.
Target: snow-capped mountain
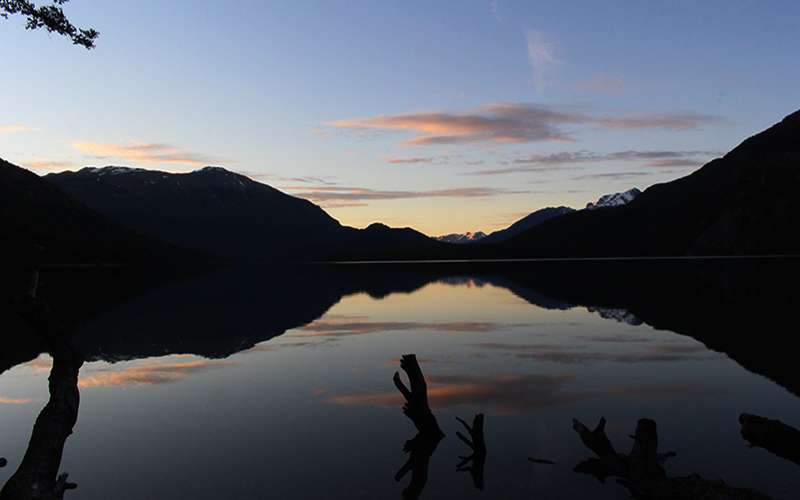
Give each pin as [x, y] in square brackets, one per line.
[462, 238]
[614, 200]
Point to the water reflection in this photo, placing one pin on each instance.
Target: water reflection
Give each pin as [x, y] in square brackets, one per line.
[641, 470]
[223, 335]
[721, 304]
[475, 462]
[416, 408]
[773, 435]
[37, 475]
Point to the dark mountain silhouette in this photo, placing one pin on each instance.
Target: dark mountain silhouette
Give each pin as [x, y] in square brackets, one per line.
[40, 223]
[743, 203]
[531, 220]
[227, 214]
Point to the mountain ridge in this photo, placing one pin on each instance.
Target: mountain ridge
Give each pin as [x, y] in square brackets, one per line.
[228, 214]
[744, 203]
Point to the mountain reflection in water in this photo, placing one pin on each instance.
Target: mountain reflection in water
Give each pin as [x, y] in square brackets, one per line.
[530, 345]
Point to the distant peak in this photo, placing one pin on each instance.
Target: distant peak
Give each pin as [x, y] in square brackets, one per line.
[468, 237]
[211, 169]
[112, 170]
[615, 199]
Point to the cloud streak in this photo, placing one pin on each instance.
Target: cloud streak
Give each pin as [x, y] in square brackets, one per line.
[148, 153]
[503, 394]
[404, 161]
[149, 373]
[13, 129]
[654, 353]
[353, 194]
[541, 56]
[567, 159]
[514, 123]
[339, 327]
[45, 164]
[14, 401]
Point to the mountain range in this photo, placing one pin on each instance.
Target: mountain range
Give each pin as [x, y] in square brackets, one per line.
[39, 222]
[227, 214]
[744, 203]
[537, 217]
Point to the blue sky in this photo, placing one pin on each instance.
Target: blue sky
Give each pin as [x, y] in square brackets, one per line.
[438, 116]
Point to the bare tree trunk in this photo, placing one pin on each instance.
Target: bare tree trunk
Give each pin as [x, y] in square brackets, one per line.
[416, 406]
[37, 476]
[772, 435]
[641, 471]
[421, 447]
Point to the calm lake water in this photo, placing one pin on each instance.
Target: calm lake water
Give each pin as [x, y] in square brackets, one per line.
[263, 383]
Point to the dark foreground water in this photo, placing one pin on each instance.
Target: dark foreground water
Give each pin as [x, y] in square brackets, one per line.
[262, 383]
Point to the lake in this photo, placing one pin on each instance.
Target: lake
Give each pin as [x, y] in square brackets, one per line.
[257, 382]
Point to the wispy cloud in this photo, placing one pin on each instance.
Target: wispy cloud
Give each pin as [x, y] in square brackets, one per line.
[514, 123]
[45, 164]
[556, 161]
[148, 373]
[651, 353]
[494, 6]
[498, 394]
[338, 327]
[541, 56]
[13, 129]
[342, 193]
[14, 401]
[402, 161]
[669, 122]
[613, 175]
[147, 153]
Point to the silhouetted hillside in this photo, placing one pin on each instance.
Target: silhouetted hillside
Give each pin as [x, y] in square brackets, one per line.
[227, 214]
[527, 222]
[41, 224]
[744, 203]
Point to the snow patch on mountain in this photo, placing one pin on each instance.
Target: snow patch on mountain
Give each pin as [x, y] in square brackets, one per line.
[112, 170]
[459, 238]
[615, 199]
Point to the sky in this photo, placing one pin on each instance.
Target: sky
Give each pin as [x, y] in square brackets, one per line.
[439, 115]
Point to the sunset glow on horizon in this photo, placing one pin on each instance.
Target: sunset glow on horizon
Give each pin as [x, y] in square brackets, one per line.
[441, 118]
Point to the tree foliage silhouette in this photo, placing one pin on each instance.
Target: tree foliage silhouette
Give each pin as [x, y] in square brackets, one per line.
[50, 17]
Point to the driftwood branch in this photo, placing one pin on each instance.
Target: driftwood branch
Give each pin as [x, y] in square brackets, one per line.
[421, 447]
[772, 435]
[416, 406]
[475, 462]
[641, 471]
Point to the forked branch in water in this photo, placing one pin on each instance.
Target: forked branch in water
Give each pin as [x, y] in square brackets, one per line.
[476, 461]
[641, 471]
[421, 447]
[416, 406]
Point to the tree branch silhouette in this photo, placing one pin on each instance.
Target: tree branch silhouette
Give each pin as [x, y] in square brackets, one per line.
[49, 17]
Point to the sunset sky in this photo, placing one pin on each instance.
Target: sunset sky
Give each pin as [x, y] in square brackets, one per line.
[444, 116]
